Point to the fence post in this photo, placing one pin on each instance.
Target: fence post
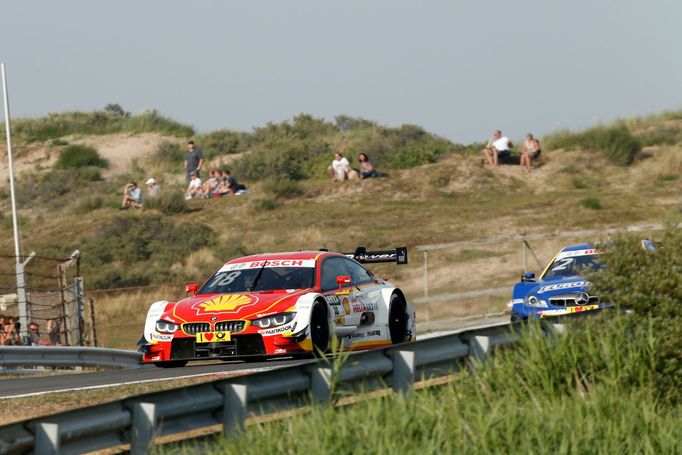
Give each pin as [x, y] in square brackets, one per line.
[144, 428]
[78, 307]
[47, 438]
[21, 301]
[234, 408]
[93, 329]
[403, 371]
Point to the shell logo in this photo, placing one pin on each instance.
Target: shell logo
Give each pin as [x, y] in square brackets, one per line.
[346, 305]
[225, 303]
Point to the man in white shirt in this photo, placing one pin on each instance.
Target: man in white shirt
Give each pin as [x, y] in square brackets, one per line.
[194, 188]
[339, 168]
[498, 146]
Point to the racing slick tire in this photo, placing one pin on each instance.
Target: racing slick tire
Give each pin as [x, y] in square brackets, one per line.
[397, 319]
[319, 328]
[171, 364]
[515, 317]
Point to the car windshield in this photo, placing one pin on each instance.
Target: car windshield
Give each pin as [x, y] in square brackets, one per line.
[265, 278]
[573, 265]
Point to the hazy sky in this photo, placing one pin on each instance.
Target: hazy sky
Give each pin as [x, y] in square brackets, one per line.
[459, 69]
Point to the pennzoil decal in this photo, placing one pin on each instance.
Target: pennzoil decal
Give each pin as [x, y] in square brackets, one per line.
[224, 303]
[346, 305]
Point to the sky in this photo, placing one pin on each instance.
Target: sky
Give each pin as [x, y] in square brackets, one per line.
[459, 69]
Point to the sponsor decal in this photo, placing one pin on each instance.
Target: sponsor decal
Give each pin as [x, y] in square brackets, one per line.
[224, 303]
[346, 305]
[568, 310]
[211, 337]
[277, 330]
[358, 335]
[340, 320]
[570, 254]
[364, 307]
[556, 287]
[332, 299]
[374, 333]
[305, 263]
[161, 336]
[280, 351]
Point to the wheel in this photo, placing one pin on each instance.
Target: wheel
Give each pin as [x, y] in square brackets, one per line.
[515, 317]
[397, 319]
[171, 364]
[319, 328]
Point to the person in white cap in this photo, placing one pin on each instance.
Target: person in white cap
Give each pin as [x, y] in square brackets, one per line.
[153, 188]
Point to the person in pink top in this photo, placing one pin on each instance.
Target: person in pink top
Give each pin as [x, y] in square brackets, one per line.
[529, 151]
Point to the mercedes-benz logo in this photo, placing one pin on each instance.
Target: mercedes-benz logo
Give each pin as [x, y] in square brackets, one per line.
[581, 298]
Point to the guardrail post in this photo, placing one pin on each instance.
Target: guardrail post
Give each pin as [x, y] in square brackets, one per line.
[234, 408]
[321, 383]
[403, 371]
[47, 438]
[144, 428]
[479, 346]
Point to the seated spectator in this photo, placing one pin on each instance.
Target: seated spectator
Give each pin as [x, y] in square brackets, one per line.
[367, 169]
[498, 148]
[132, 197]
[153, 189]
[10, 335]
[211, 184]
[53, 332]
[530, 150]
[339, 168]
[231, 184]
[34, 335]
[194, 189]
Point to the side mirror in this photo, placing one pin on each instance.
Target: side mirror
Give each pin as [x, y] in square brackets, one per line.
[528, 277]
[341, 280]
[191, 288]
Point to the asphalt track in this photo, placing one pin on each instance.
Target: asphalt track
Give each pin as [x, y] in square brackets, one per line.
[32, 386]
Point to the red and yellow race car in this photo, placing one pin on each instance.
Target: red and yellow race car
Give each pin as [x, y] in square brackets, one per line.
[281, 304]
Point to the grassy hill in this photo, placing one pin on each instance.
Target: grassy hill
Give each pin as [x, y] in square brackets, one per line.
[436, 191]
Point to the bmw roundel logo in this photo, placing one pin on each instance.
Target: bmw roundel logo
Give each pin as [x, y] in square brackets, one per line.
[581, 298]
[214, 318]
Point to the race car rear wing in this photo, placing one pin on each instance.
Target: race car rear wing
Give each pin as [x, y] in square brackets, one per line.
[399, 255]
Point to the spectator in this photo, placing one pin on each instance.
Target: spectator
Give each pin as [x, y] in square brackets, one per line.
[132, 197]
[194, 160]
[194, 189]
[530, 150]
[231, 183]
[10, 336]
[34, 335]
[53, 332]
[211, 185]
[498, 148]
[153, 189]
[367, 169]
[339, 168]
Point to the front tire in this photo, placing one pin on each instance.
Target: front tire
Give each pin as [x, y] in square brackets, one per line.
[319, 329]
[397, 319]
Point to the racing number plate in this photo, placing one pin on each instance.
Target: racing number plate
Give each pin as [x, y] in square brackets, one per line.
[212, 337]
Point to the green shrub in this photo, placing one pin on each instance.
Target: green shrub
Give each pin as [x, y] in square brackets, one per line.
[616, 142]
[264, 203]
[168, 203]
[169, 153]
[283, 188]
[88, 204]
[59, 142]
[223, 142]
[77, 156]
[591, 203]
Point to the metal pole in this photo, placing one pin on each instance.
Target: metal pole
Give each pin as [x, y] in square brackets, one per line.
[24, 310]
[93, 326]
[426, 275]
[10, 168]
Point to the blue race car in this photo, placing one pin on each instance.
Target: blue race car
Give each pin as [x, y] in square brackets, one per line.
[561, 289]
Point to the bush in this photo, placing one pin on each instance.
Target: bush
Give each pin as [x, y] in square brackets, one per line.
[616, 142]
[49, 188]
[283, 188]
[650, 285]
[591, 203]
[77, 156]
[168, 203]
[88, 204]
[169, 153]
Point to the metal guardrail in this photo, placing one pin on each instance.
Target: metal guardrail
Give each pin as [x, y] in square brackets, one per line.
[138, 420]
[66, 356]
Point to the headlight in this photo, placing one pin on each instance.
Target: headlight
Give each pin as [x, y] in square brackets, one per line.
[274, 320]
[166, 327]
[534, 301]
